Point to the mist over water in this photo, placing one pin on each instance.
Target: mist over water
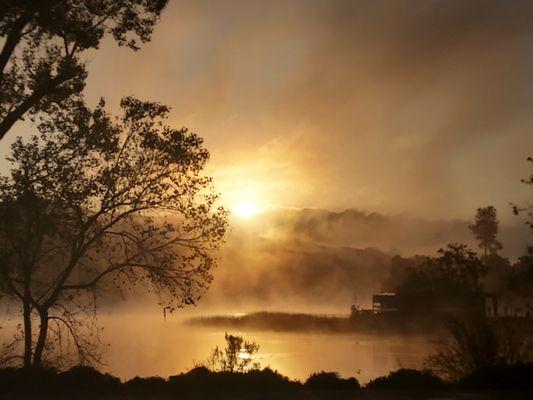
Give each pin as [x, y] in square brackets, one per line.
[308, 261]
[147, 345]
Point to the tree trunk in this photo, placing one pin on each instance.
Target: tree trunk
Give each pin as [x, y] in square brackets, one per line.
[27, 333]
[41, 340]
[12, 39]
[30, 101]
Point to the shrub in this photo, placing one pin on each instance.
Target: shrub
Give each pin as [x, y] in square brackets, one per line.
[82, 379]
[202, 382]
[146, 386]
[478, 344]
[407, 379]
[331, 381]
[237, 356]
[28, 380]
[503, 377]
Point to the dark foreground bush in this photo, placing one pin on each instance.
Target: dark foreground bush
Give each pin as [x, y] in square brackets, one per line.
[76, 381]
[79, 380]
[201, 381]
[153, 385]
[331, 381]
[505, 377]
[197, 383]
[27, 381]
[407, 379]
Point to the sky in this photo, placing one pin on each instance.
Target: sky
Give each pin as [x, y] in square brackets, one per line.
[399, 107]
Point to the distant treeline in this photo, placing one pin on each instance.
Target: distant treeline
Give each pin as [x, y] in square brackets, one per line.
[200, 383]
[367, 322]
[299, 322]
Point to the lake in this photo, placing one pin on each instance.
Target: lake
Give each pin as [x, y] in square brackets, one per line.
[149, 345]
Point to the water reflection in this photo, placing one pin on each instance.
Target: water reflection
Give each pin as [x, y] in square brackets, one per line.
[147, 346]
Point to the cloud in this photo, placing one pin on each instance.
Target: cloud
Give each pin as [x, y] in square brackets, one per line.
[418, 107]
[309, 258]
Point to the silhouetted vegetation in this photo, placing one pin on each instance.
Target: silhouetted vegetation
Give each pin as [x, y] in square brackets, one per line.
[408, 379]
[330, 381]
[201, 383]
[237, 356]
[515, 377]
[480, 344]
[485, 229]
[275, 321]
[520, 279]
[528, 208]
[150, 386]
[448, 283]
[81, 213]
[41, 69]
[297, 322]
[79, 380]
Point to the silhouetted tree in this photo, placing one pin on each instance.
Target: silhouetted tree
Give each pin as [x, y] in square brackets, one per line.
[498, 269]
[41, 69]
[477, 343]
[528, 208]
[449, 282]
[398, 270]
[237, 356]
[99, 203]
[485, 229]
[520, 280]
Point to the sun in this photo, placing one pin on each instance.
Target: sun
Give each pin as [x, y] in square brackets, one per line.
[245, 209]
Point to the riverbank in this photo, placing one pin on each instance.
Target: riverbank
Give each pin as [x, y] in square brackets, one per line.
[367, 322]
[391, 323]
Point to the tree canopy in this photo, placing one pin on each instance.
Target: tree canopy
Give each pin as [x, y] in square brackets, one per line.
[41, 66]
[485, 229]
[97, 203]
[449, 282]
[527, 208]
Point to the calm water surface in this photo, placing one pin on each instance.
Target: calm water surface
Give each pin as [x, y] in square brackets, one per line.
[147, 346]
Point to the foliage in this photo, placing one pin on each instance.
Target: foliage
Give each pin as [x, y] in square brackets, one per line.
[449, 282]
[528, 208]
[485, 229]
[202, 383]
[237, 356]
[398, 270]
[99, 203]
[407, 379]
[41, 69]
[516, 377]
[86, 382]
[151, 386]
[498, 270]
[478, 343]
[520, 280]
[331, 381]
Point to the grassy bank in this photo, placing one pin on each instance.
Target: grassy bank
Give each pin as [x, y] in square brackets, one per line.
[300, 322]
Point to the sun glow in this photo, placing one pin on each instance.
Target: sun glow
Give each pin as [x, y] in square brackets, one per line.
[245, 209]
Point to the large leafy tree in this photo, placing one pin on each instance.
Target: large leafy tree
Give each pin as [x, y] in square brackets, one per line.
[520, 280]
[96, 203]
[448, 283]
[41, 58]
[485, 229]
